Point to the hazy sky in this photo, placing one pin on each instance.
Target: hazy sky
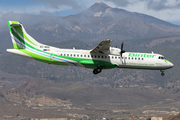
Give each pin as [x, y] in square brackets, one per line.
[168, 10]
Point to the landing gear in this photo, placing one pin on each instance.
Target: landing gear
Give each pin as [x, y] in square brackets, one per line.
[162, 72]
[97, 70]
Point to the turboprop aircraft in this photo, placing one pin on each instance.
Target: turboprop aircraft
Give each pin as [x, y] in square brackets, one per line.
[101, 57]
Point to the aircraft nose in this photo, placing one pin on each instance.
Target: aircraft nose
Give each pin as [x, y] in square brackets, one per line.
[171, 65]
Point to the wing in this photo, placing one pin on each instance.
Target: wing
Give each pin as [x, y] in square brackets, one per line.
[102, 47]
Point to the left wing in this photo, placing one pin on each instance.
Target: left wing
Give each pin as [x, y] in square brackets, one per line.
[102, 47]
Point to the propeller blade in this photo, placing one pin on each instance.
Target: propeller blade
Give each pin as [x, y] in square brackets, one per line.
[122, 51]
[122, 44]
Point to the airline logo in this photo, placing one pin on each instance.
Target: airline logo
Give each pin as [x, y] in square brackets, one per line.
[141, 55]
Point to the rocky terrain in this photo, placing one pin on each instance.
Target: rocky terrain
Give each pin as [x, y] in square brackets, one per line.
[76, 100]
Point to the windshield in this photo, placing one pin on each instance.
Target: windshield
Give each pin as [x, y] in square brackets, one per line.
[161, 57]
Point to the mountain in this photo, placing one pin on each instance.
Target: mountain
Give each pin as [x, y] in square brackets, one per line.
[101, 21]
[90, 99]
[37, 97]
[97, 22]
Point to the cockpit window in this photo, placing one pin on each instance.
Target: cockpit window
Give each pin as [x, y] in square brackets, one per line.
[161, 57]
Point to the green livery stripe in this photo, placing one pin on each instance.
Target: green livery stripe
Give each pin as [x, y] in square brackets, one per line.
[9, 26]
[14, 22]
[41, 58]
[19, 30]
[25, 43]
[167, 61]
[90, 63]
[16, 46]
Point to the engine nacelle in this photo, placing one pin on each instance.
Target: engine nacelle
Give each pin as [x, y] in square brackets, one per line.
[115, 51]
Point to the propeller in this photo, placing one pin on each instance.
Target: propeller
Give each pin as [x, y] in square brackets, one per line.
[122, 51]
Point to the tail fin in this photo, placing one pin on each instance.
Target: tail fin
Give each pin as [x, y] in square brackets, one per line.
[19, 36]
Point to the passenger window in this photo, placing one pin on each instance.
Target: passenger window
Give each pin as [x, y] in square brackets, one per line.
[74, 55]
[138, 58]
[98, 56]
[129, 58]
[77, 55]
[109, 57]
[125, 57]
[81, 55]
[135, 58]
[88, 56]
[115, 57]
[132, 58]
[64, 54]
[105, 56]
[67, 54]
[142, 58]
[71, 54]
[112, 57]
[95, 56]
[102, 56]
[84, 55]
[92, 56]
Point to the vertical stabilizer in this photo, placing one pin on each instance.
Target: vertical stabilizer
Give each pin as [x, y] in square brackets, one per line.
[19, 36]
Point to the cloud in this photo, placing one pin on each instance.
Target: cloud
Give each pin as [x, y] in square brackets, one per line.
[163, 4]
[168, 10]
[30, 20]
[121, 3]
[156, 5]
[39, 6]
[57, 4]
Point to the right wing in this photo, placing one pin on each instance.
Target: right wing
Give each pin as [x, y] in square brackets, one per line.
[102, 47]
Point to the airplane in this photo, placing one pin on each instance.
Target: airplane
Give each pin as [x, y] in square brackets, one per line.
[103, 56]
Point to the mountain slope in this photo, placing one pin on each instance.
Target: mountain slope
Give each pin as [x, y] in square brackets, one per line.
[98, 22]
[80, 94]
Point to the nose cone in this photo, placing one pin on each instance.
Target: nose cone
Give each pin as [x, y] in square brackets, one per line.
[171, 65]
